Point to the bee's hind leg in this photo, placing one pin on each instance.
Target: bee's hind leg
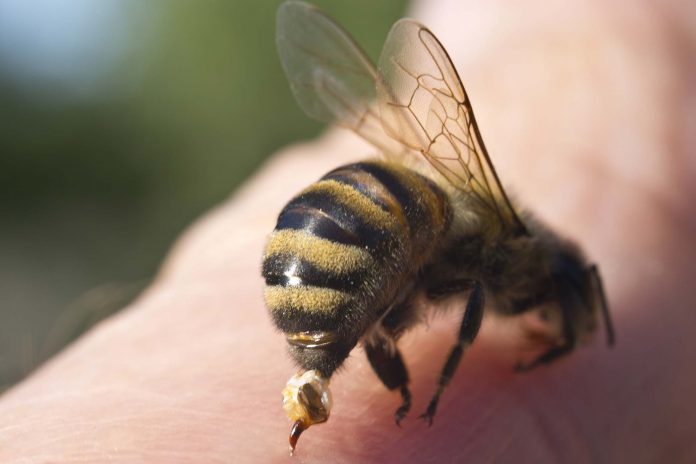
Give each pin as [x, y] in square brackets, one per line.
[387, 363]
[471, 322]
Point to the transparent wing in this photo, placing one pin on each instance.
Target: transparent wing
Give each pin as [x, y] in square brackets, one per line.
[331, 78]
[415, 103]
[423, 104]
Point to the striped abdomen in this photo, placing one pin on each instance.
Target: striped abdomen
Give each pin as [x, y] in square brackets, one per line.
[341, 248]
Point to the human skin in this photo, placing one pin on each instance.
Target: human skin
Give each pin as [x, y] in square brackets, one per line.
[588, 113]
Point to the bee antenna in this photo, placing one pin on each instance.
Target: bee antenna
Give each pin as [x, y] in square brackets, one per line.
[608, 325]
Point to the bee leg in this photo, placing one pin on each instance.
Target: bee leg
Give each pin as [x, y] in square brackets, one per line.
[467, 332]
[387, 363]
[557, 351]
[549, 356]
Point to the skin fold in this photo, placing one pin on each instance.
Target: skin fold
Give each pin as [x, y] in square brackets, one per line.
[588, 113]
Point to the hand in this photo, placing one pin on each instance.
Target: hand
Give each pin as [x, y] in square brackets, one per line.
[588, 115]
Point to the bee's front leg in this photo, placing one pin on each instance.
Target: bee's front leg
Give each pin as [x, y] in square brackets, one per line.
[547, 357]
[562, 343]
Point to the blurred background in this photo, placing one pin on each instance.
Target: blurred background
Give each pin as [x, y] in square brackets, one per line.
[121, 122]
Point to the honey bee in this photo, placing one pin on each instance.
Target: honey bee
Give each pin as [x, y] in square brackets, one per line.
[353, 254]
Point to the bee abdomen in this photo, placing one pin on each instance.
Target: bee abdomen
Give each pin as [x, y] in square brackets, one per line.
[288, 270]
[339, 242]
[421, 208]
[310, 280]
[339, 212]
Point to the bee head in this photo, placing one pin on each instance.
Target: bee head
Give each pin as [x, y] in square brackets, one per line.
[579, 291]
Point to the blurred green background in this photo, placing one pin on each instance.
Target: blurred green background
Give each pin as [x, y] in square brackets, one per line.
[121, 121]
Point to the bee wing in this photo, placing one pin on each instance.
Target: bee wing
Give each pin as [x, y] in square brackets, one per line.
[331, 78]
[415, 103]
[423, 104]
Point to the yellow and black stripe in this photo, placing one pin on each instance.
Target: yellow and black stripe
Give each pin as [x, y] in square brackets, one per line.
[341, 244]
